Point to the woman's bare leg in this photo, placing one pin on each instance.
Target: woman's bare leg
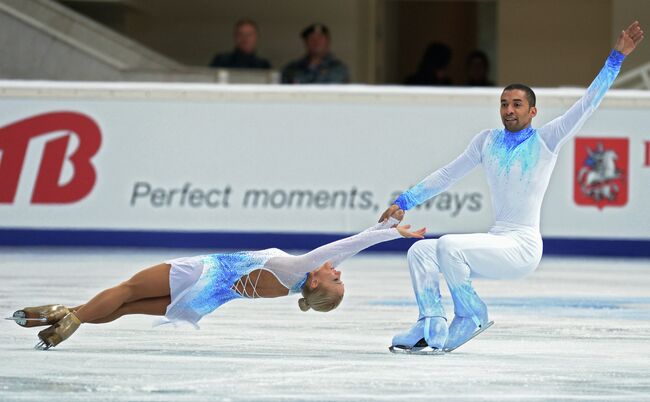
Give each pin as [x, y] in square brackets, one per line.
[152, 306]
[149, 283]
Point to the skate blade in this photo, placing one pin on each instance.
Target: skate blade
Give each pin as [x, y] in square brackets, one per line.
[26, 319]
[42, 346]
[415, 351]
[474, 335]
[27, 322]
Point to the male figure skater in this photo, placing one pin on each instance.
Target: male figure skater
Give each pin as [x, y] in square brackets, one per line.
[518, 161]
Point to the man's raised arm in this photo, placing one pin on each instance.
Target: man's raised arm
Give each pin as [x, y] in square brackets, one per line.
[561, 129]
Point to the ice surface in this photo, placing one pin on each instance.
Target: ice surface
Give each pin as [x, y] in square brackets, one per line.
[577, 329]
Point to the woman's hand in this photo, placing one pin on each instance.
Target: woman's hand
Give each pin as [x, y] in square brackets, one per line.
[404, 231]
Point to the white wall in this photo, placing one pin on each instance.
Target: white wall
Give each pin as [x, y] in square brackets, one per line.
[324, 140]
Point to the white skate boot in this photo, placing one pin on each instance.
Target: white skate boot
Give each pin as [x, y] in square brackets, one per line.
[428, 332]
[470, 319]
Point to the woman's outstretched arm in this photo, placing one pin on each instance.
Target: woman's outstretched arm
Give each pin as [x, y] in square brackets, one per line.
[339, 250]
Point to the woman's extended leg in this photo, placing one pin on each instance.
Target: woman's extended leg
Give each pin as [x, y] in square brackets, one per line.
[147, 284]
[151, 306]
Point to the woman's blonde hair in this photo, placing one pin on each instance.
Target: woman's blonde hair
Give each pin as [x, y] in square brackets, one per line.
[318, 299]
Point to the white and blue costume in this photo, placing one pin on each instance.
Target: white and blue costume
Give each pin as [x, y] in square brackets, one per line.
[518, 166]
[199, 285]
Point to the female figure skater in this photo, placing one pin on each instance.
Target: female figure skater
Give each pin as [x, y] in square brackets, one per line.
[186, 289]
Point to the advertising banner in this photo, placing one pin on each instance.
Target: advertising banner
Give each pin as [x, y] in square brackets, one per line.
[161, 165]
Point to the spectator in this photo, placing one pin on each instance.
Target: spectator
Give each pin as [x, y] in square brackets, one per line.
[433, 66]
[243, 56]
[478, 67]
[318, 66]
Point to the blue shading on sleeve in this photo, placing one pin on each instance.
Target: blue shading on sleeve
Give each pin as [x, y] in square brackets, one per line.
[405, 201]
[606, 77]
[412, 197]
[615, 59]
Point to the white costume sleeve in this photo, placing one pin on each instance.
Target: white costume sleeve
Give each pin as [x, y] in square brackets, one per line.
[290, 269]
[387, 224]
[339, 250]
[441, 179]
[560, 130]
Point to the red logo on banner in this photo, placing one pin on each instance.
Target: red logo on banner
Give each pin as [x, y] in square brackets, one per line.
[647, 153]
[14, 140]
[601, 171]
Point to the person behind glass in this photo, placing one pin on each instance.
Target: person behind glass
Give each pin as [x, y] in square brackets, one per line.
[433, 66]
[477, 67]
[243, 56]
[318, 66]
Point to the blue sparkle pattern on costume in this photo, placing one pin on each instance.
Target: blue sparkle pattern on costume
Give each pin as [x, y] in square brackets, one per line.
[220, 272]
[559, 131]
[467, 304]
[509, 149]
[615, 60]
[429, 301]
[297, 287]
[429, 187]
[605, 78]
[411, 197]
[470, 313]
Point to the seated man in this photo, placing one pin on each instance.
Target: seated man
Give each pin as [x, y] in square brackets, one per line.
[243, 56]
[318, 66]
[518, 160]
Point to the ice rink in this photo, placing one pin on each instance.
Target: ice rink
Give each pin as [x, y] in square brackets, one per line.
[577, 329]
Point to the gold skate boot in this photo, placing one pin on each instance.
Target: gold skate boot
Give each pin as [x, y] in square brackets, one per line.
[58, 332]
[38, 316]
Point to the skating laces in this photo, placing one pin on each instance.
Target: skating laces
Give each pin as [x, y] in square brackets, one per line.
[244, 282]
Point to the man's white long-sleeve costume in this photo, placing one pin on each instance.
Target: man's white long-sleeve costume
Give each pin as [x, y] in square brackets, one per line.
[518, 166]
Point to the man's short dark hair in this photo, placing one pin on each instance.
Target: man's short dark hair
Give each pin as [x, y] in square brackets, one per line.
[530, 95]
[320, 28]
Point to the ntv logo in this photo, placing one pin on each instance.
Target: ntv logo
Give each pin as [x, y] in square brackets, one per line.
[14, 141]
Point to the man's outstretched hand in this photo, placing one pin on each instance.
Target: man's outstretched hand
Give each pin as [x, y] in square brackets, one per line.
[629, 38]
[392, 211]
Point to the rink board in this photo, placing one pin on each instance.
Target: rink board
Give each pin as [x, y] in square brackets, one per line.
[260, 166]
